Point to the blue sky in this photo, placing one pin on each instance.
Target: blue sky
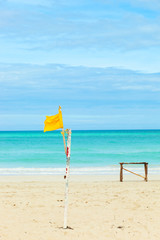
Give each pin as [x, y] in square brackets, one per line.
[99, 60]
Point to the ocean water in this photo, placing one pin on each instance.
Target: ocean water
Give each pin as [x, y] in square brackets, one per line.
[92, 152]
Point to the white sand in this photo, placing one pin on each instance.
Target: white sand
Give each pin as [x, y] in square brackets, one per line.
[100, 207]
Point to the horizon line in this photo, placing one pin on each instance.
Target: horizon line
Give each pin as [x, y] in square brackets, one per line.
[138, 129]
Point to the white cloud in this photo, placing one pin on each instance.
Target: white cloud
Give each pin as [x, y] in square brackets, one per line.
[46, 3]
[58, 27]
[142, 88]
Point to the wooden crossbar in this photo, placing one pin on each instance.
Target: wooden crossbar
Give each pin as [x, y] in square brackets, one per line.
[145, 169]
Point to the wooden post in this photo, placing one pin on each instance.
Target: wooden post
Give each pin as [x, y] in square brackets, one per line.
[121, 172]
[146, 171]
[67, 177]
[64, 140]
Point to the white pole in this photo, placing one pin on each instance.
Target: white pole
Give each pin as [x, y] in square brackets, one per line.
[67, 177]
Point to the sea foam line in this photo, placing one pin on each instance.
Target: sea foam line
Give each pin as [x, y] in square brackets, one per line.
[108, 170]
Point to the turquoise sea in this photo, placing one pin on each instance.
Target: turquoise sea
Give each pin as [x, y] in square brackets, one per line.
[92, 152]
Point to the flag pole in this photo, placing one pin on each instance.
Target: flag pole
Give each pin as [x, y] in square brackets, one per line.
[63, 133]
[67, 176]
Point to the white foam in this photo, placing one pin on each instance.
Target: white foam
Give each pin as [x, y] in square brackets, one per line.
[108, 170]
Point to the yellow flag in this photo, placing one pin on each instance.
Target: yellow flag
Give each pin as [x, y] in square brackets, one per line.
[53, 122]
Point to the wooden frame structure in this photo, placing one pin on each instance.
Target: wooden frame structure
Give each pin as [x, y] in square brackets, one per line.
[145, 170]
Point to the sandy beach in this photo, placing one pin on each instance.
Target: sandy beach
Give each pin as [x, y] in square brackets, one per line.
[100, 207]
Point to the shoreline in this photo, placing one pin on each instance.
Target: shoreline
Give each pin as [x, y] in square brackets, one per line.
[153, 169]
